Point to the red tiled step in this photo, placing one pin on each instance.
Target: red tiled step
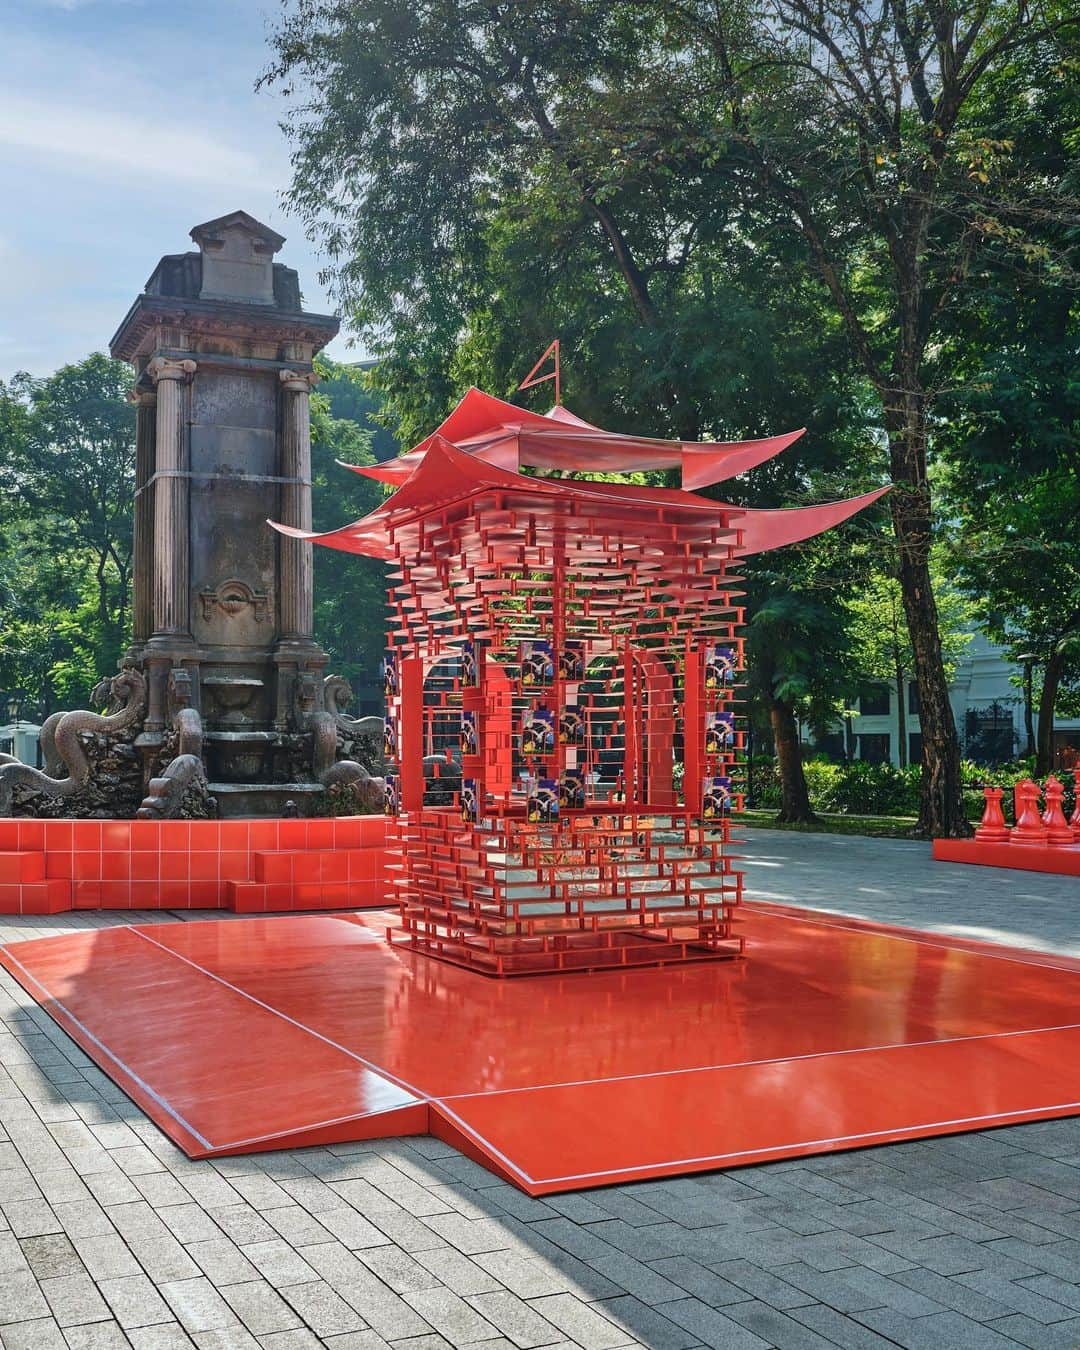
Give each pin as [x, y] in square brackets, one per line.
[259, 897]
[35, 897]
[316, 865]
[21, 867]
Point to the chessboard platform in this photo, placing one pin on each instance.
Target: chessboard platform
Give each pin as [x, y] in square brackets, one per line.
[1062, 861]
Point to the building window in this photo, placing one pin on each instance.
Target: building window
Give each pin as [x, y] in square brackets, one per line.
[913, 699]
[876, 748]
[914, 753]
[831, 745]
[990, 735]
[875, 702]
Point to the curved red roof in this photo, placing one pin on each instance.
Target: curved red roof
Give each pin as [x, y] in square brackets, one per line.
[501, 433]
[445, 473]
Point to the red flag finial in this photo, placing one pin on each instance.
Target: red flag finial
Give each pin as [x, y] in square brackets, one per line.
[533, 379]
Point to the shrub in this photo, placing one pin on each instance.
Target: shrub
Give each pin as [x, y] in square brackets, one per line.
[881, 790]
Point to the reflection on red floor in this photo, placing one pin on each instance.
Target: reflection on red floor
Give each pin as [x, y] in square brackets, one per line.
[261, 1033]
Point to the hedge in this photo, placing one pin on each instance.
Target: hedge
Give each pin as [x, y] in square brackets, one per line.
[882, 790]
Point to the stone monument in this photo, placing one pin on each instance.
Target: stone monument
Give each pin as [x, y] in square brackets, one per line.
[230, 689]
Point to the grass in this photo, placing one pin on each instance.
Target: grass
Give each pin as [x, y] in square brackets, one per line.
[880, 827]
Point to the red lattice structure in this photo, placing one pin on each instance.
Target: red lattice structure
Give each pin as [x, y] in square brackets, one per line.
[564, 655]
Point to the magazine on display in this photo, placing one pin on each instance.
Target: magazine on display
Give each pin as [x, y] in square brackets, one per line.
[719, 667]
[719, 732]
[571, 726]
[572, 661]
[542, 804]
[537, 731]
[470, 744]
[716, 801]
[470, 666]
[572, 789]
[469, 804]
[537, 663]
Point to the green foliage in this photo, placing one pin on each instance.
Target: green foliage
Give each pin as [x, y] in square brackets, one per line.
[877, 627]
[66, 483]
[1009, 471]
[347, 392]
[350, 591]
[859, 788]
[798, 651]
[728, 213]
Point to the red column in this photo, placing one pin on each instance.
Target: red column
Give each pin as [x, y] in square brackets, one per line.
[411, 734]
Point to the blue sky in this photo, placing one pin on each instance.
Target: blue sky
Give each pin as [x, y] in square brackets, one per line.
[122, 124]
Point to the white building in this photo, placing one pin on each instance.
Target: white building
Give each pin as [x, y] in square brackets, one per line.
[988, 703]
[21, 740]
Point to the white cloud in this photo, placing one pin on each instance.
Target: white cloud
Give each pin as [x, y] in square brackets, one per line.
[86, 136]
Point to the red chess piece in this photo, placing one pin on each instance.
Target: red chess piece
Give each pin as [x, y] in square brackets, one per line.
[1058, 831]
[992, 828]
[1029, 827]
[1074, 819]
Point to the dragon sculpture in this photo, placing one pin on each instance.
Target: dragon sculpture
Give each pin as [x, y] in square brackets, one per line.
[442, 777]
[61, 744]
[337, 695]
[165, 794]
[323, 726]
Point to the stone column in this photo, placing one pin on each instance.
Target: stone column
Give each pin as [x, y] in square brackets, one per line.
[142, 610]
[171, 530]
[295, 616]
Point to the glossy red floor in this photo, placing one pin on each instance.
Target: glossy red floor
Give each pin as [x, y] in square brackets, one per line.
[250, 1034]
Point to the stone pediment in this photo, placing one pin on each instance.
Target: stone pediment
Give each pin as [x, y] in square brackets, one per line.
[237, 258]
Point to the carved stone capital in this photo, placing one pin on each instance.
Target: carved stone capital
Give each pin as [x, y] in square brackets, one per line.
[144, 398]
[297, 381]
[162, 368]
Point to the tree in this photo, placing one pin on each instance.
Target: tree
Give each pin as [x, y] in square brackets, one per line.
[659, 140]
[67, 447]
[736, 343]
[52, 647]
[1021, 565]
[350, 592]
[882, 644]
[860, 127]
[1007, 443]
[794, 645]
[802, 662]
[349, 398]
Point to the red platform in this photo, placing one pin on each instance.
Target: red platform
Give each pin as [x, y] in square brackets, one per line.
[836, 1034]
[250, 866]
[1025, 857]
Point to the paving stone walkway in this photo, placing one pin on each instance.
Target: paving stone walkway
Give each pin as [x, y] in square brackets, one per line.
[109, 1237]
[897, 881]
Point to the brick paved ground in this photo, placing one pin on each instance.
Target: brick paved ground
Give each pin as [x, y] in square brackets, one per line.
[897, 881]
[110, 1237]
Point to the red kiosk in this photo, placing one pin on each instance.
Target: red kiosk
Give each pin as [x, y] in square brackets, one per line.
[585, 639]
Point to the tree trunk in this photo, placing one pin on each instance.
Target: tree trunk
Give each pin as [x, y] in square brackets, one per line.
[103, 594]
[901, 720]
[1044, 736]
[941, 808]
[795, 805]
[1029, 721]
